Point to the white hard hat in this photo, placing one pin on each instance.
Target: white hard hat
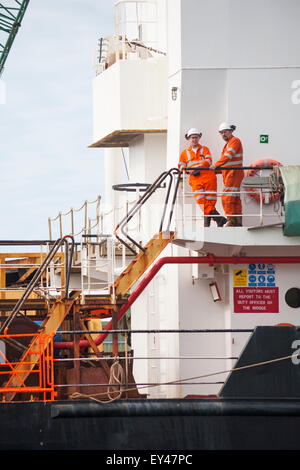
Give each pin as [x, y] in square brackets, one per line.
[225, 126]
[192, 131]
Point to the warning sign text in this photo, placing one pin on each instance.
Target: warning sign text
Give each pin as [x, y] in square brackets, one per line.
[256, 300]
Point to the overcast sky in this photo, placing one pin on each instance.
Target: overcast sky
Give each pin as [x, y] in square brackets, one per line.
[46, 121]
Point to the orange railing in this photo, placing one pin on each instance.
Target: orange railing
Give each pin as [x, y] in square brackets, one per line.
[33, 372]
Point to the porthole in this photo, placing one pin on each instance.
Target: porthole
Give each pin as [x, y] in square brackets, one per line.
[292, 297]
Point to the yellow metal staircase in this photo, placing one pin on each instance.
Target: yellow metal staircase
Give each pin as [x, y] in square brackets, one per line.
[141, 262]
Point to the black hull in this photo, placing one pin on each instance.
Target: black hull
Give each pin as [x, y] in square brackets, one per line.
[154, 425]
[236, 421]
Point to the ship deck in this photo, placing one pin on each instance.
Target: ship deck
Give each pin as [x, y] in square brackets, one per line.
[212, 237]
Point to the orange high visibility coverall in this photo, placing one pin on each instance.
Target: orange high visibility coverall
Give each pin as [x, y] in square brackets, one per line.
[205, 185]
[232, 156]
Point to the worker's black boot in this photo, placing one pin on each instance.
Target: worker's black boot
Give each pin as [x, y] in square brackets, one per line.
[207, 220]
[220, 221]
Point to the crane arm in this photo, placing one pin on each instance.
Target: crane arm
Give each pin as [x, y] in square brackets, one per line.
[11, 15]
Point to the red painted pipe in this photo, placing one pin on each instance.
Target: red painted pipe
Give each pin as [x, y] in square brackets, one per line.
[210, 259]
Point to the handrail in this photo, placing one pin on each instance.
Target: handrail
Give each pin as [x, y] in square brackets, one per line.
[229, 168]
[131, 187]
[151, 189]
[138, 205]
[38, 274]
[71, 213]
[68, 264]
[100, 262]
[37, 361]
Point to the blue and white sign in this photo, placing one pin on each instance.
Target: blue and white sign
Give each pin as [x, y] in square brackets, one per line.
[252, 280]
[252, 269]
[270, 269]
[261, 281]
[270, 280]
[261, 269]
[261, 275]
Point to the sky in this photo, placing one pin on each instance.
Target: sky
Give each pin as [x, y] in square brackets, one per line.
[46, 119]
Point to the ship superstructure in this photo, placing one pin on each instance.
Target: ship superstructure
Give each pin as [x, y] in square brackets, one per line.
[212, 71]
[139, 300]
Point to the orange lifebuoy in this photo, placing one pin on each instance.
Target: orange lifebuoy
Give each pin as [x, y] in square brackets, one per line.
[267, 198]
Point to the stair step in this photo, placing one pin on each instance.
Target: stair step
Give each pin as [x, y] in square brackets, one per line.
[138, 266]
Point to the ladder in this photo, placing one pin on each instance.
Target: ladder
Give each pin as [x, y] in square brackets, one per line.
[141, 263]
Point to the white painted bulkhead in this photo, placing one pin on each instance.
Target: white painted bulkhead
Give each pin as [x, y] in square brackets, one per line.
[130, 95]
[228, 62]
[223, 68]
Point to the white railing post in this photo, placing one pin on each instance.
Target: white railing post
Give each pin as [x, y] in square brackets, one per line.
[183, 203]
[261, 204]
[72, 221]
[60, 225]
[50, 228]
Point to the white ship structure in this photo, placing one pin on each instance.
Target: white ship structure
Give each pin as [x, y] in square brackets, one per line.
[145, 300]
[170, 66]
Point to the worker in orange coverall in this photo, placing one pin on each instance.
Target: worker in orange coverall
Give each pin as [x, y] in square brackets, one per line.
[232, 156]
[203, 183]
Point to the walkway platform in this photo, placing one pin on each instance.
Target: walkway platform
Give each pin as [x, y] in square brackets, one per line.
[210, 238]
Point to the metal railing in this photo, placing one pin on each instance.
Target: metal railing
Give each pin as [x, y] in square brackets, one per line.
[39, 271]
[37, 361]
[178, 200]
[114, 48]
[72, 216]
[172, 180]
[81, 221]
[42, 363]
[85, 221]
[98, 265]
[210, 369]
[187, 213]
[131, 21]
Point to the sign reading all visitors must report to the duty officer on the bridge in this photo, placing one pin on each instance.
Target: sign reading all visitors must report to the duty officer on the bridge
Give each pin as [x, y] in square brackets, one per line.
[255, 290]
